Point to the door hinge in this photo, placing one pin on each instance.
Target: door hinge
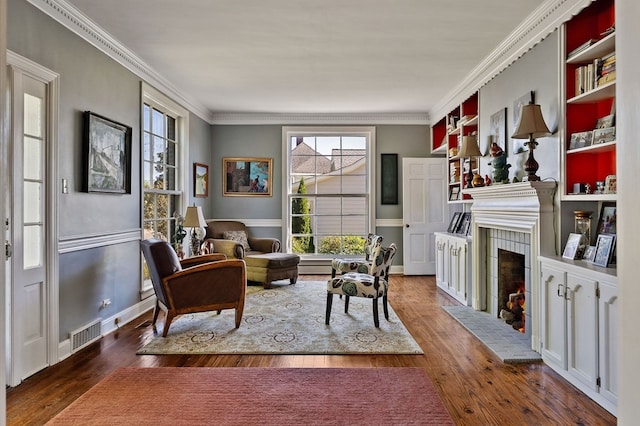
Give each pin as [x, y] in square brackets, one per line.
[598, 292]
[598, 382]
[8, 251]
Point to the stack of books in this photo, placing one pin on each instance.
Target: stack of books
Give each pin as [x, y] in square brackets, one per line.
[606, 71]
[582, 47]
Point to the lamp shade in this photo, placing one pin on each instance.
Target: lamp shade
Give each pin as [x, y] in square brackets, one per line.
[469, 147]
[531, 123]
[194, 218]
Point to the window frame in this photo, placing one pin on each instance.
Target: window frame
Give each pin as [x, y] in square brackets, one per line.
[288, 132]
[157, 100]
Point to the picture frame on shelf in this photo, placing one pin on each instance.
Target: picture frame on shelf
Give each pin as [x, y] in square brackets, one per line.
[606, 121]
[607, 219]
[571, 248]
[453, 224]
[589, 253]
[581, 139]
[454, 193]
[610, 184]
[200, 180]
[526, 99]
[465, 224]
[498, 128]
[605, 247]
[604, 135]
[107, 155]
[247, 176]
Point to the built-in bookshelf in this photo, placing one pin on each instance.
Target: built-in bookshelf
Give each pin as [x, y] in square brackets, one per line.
[590, 150]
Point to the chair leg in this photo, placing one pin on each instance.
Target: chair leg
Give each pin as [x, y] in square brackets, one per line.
[376, 321]
[155, 313]
[385, 307]
[346, 304]
[167, 323]
[329, 303]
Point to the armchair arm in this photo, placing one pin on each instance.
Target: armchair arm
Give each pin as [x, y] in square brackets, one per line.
[211, 283]
[205, 258]
[230, 248]
[265, 245]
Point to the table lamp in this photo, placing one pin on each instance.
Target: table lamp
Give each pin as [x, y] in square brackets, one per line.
[531, 125]
[469, 149]
[194, 219]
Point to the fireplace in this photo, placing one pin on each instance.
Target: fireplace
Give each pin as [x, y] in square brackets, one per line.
[515, 218]
[512, 302]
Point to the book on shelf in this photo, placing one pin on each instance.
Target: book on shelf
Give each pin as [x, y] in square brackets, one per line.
[607, 78]
[582, 47]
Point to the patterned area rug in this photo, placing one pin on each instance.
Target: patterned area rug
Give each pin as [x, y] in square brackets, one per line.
[259, 396]
[287, 319]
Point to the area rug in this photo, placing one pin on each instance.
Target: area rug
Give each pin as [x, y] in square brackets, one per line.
[287, 319]
[509, 345]
[259, 396]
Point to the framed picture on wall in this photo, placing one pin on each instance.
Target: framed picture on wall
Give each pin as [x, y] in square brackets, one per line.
[247, 176]
[498, 128]
[200, 180]
[389, 178]
[107, 155]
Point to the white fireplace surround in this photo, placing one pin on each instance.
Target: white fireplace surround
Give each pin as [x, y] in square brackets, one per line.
[524, 207]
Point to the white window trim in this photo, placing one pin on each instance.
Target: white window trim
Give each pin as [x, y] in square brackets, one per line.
[155, 98]
[289, 131]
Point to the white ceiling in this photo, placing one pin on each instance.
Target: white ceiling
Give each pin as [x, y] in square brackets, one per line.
[310, 56]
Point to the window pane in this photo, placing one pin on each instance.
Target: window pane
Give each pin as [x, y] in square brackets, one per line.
[354, 184]
[146, 147]
[33, 111]
[158, 149]
[146, 118]
[32, 158]
[171, 128]
[149, 207]
[32, 202]
[148, 230]
[171, 178]
[157, 122]
[32, 245]
[162, 206]
[158, 176]
[172, 150]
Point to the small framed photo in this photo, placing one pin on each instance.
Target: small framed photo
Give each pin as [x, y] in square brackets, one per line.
[454, 193]
[604, 135]
[455, 220]
[606, 121]
[581, 139]
[589, 253]
[465, 224]
[607, 220]
[571, 248]
[200, 180]
[604, 249]
[610, 184]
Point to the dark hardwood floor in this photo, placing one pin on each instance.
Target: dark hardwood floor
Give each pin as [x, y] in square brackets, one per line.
[476, 387]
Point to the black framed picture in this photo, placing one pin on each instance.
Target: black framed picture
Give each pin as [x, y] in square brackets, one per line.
[465, 224]
[607, 219]
[455, 220]
[605, 247]
[107, 155]
[389, 178]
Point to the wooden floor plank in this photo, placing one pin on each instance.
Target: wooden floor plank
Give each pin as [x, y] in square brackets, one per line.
[476, 387]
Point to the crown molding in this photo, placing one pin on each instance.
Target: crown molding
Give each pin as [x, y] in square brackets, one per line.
[548, 17]
[320, 118]
[80, 24]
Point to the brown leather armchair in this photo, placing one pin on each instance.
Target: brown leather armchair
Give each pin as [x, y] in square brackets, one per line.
[197, 284]
[214, 240]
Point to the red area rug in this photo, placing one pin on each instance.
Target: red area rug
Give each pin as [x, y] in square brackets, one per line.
[265, 396]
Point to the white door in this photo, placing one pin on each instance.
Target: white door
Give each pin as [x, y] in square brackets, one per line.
[29, 304]
[424, 211]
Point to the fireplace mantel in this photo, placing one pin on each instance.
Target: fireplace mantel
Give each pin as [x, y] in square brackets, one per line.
[525, 207]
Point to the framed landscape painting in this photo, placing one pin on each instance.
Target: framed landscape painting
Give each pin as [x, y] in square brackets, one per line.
[107, 155]
[200, 180]
[247, 176]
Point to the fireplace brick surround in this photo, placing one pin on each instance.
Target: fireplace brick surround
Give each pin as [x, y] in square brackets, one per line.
[517, 217]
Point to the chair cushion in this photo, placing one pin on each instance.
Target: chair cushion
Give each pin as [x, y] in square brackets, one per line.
[239, 237]
[357, 285]
[350, 265]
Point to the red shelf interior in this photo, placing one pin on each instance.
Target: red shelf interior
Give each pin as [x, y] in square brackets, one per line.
[470, 106]
[590, 23]
[588, 168]
[439, 133]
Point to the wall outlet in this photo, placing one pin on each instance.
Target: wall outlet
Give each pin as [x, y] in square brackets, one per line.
[105, 303]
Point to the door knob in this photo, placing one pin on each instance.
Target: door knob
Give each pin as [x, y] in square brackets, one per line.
[407, 225]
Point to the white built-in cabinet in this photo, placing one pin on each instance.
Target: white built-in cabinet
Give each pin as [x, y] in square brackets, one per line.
[579, 326]
[453, 265]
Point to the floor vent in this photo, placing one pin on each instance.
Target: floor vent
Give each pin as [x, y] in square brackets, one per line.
[86, 335]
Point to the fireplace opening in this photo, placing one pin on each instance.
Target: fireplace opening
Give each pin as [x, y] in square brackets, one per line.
[511, 289]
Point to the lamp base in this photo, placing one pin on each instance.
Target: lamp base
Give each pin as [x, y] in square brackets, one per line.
[195, 244]
[531, 165]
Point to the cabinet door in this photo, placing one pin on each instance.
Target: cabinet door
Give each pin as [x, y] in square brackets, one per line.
[460, 256]
[554, 319]
[582, 329]
[441, 267]
[608, 306]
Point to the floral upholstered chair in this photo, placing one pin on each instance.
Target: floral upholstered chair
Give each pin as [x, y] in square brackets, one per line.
[373, 285]
[343, 265]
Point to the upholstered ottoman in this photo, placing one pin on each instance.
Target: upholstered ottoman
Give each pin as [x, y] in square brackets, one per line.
[267, 267]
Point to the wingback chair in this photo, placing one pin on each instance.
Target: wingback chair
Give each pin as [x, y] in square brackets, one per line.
[372, 285]
[206, 283]
[233, 239]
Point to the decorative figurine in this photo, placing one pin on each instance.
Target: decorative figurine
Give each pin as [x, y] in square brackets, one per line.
[499, 163]
[487, 180]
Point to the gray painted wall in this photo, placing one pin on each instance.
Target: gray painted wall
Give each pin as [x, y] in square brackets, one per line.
[89, 80]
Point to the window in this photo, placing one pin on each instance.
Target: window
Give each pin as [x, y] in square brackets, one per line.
[330, 201]
[163, 146]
